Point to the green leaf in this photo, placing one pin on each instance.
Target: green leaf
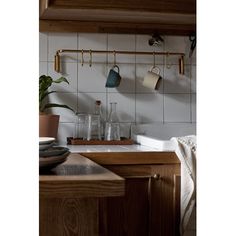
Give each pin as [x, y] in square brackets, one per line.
[43, 95]
[61, 79]
[50, 105]
[44, 83]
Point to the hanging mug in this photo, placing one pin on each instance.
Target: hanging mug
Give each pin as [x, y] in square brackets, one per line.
[152, 78]
[114, 78]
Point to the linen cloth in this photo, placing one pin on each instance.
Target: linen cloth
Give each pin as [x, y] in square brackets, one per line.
[186, 152]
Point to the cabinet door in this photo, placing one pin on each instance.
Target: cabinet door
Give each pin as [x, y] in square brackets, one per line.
[164, 201]
[150, 206]
[126, 216]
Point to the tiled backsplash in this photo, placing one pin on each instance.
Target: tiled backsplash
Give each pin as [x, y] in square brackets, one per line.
[175, 101]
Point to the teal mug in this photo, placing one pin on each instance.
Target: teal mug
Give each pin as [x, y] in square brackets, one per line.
[114, 78]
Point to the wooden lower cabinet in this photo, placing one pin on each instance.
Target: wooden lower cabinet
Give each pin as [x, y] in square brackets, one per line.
[68, 217]
[150, 206]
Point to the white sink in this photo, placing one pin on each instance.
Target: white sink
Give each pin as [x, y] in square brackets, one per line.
[158, 135]
[163, 145]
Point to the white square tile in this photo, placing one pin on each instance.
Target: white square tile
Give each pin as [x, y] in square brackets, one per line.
[125, 130]
[86, 102]
[193, 79]
[69, 99]
[176, 83]
[125, 106]
[149, 108]
[177, 108]
[122, 42]
[143, 46]
[93, 42]
[65, 130]
[58, 41]
[69, 71]
[43, 46]
[193, 107]
[127, 84]
[43, 68]
[141, 71]
[178, 44]
[92, 79]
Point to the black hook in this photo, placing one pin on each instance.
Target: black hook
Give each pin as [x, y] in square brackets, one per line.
[193, 41]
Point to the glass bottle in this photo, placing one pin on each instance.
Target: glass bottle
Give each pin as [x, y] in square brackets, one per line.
[112, 128]
[98, 111]
[113, 118]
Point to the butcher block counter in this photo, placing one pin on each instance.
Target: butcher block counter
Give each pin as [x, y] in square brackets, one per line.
[69, 196]
[79, 176]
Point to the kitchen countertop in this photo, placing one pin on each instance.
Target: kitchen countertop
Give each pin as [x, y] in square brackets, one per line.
[81, 177]
[110, 148]
[143, 143]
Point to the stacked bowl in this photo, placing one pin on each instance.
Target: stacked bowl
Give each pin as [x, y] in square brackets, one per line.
[51, 155]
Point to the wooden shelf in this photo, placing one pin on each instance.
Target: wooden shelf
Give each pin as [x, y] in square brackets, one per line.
[143, 17]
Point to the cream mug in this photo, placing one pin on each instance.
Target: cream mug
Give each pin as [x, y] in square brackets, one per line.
[152, 77]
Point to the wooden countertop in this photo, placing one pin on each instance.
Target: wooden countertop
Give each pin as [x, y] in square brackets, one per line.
[132, 158]
[80, 177]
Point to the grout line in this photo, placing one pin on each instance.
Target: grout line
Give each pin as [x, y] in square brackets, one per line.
[135, 80]
[77, 76]
[107, 108]
[47, 51]
[163, 87]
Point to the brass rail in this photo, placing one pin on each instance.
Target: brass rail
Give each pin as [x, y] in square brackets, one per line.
[57, 63]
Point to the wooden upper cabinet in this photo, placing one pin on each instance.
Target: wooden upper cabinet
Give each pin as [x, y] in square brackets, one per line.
[123, 16]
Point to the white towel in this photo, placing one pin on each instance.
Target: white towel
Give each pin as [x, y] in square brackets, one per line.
[186, 152]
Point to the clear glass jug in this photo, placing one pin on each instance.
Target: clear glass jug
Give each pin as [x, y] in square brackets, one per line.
[112, 129]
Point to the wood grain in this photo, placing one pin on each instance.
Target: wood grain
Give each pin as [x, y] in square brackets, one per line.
[186, 6]
[176, 203]
[151, 203]
[78, 141]
[116, 27]
[68, 217]
[131, 16]
[80, 177]
[126, 215]
[129, 158]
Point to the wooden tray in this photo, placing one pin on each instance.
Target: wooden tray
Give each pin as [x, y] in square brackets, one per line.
[78, 141]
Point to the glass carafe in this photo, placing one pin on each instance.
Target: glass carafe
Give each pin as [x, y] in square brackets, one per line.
[112, 129]
[98, 111]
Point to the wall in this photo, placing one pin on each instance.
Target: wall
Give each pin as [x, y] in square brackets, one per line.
[175, 101]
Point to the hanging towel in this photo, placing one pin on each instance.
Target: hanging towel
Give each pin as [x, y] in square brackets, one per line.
[186, 152]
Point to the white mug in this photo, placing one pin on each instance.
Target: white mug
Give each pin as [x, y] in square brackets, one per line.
[152, 77]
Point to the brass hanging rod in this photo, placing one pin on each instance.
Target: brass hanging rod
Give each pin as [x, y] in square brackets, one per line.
[119, 52]
[57, 63]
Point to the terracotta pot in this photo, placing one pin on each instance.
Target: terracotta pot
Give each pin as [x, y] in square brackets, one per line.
[48, 125]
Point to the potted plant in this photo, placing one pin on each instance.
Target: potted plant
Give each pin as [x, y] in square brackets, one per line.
[48, 123]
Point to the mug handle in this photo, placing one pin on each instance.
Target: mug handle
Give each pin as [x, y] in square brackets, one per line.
[157, 68]
[115, 66]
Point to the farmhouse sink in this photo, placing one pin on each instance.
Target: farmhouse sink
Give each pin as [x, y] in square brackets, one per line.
[158, 135]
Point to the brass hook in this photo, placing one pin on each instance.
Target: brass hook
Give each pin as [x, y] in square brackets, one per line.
[114, 54]
[167, 60]
[181, 65]
[82, 59]
[57, 62]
